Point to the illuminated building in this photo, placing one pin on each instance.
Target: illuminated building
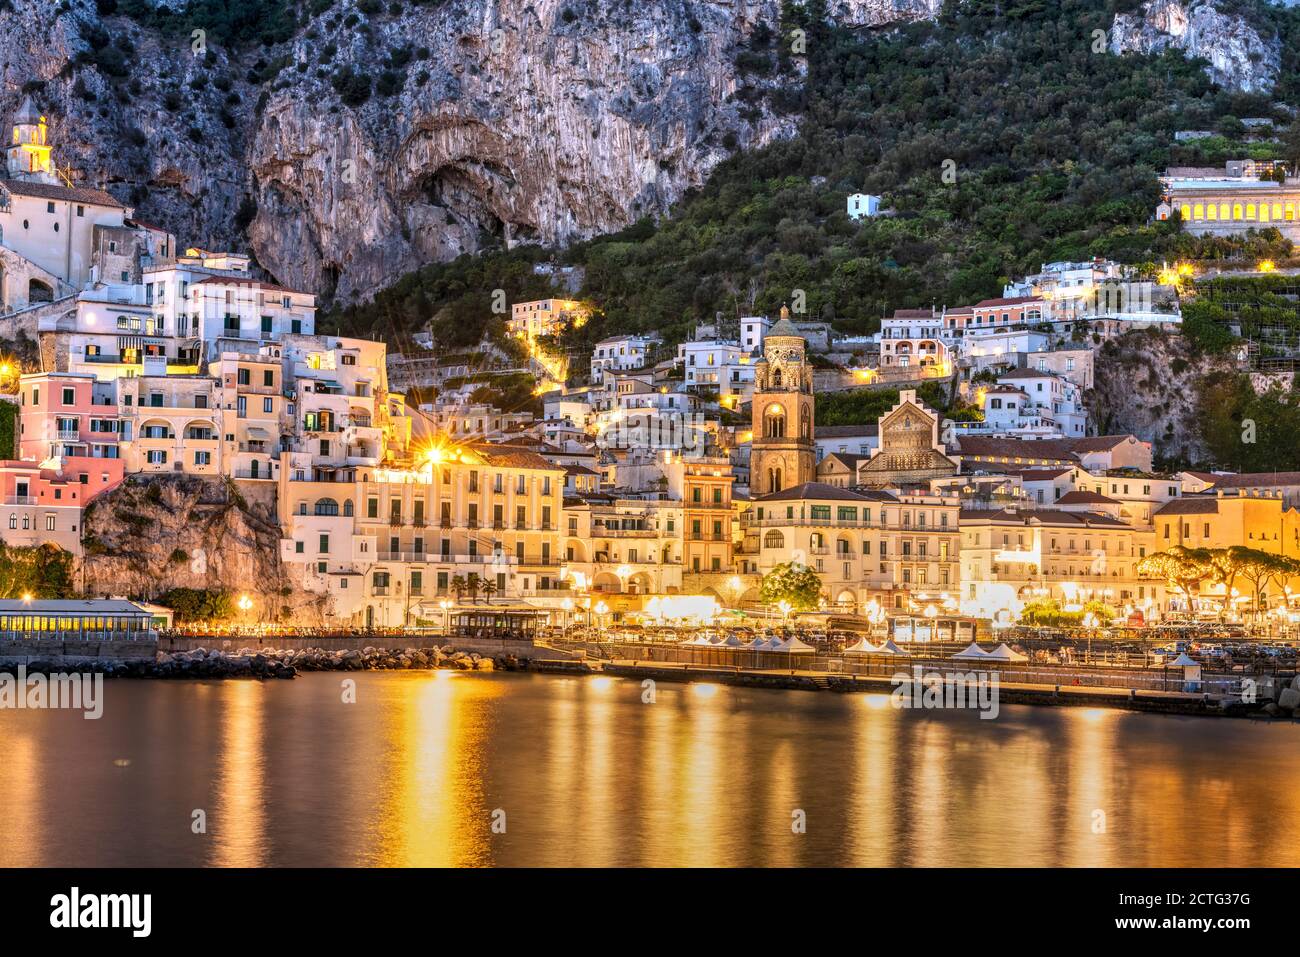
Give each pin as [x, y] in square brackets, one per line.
[383, 543]
[544, 317]
[1228, 202]
[55, 238]
[782, 453]
[865, 545]
[1011, 556]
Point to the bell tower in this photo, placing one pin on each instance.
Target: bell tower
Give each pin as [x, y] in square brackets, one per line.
[28, 155]
[782, 454]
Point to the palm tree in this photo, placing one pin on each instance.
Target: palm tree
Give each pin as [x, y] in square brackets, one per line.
[459, 587]
[489, 588]
[474, 583]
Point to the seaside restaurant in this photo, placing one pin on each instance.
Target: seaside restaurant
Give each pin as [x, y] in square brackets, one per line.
[76, 620]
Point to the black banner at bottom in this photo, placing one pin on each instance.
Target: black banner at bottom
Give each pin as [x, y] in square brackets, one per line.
[1222, 907]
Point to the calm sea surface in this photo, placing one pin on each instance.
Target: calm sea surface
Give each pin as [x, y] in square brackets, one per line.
[584, 773]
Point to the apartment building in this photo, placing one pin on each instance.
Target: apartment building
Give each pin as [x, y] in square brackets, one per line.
[40, 506]
[1011, 556]
[70, 424]
[379, 546]
[867, 545]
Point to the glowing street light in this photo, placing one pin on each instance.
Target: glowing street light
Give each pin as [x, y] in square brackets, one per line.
[445, 605]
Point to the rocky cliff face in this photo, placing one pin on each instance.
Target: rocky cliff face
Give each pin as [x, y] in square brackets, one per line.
[156, 533]
[1148, 383]
[368, 143]
[1242, 54]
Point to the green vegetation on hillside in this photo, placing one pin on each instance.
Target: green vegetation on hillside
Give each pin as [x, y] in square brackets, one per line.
[1246, 432]
[8, 430]
[41, 571]
[1054, 150]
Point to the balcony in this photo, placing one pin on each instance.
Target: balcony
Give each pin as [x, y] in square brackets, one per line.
[68, 435]
[20, 500]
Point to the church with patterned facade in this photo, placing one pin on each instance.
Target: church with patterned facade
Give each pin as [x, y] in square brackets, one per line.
[909, 451]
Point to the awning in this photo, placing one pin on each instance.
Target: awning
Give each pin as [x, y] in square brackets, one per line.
[255, 433]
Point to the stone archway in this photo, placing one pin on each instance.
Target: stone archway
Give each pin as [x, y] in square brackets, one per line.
[38, 291]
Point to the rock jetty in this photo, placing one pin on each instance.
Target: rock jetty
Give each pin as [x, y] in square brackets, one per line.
[270, 663]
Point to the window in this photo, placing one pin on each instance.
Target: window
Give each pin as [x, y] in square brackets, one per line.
[202, 458]
[49, 523]
[773, 539]
[69, 396]
[324, 545]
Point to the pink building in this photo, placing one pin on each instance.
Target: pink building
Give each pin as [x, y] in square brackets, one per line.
[39, 506]
[1003, 313]
[69, 422]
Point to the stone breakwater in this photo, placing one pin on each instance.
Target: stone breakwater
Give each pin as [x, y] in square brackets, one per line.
[271, 663]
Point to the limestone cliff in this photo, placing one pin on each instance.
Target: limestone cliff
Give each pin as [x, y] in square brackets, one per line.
[370, 136]
[1148, 383]
[160, 532]
[1243, 53]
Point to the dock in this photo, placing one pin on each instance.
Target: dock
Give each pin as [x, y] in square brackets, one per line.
[1128, 699]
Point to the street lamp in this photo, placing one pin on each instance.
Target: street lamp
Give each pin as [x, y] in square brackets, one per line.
[784, 608]
[445, 605]
[601, 610]
[734, 588]
[567, 605]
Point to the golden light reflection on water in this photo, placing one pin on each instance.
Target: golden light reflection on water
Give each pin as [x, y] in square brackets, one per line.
[872, 803]
[701, 798]
[432, 811]
[1090, 800]
[19, 799]
[238, 826]
[590, 773]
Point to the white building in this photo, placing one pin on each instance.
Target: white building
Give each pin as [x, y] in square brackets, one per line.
[621, 353]
[863, 205]
[55, 237]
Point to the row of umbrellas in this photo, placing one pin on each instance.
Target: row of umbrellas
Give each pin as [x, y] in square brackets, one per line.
[972, 651]
[758, 644]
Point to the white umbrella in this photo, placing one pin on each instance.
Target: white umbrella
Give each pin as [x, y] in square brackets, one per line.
[733, 642]
[862, 647]
[889, 648]
[972, 651]
[1184, 661]
[1003, 653]
[797, 646]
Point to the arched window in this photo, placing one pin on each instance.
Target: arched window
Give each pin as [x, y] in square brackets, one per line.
[805, 423]
[776, 378]
[327, 506]
[774, 422]
[774, 539]
[842, 546]
[347, 508]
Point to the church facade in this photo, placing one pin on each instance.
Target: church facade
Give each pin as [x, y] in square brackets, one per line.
[909, 451]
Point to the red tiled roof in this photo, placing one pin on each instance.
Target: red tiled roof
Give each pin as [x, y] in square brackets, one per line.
[1078, 497]
[815, 491]
[68, 194]
[1013, 301]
